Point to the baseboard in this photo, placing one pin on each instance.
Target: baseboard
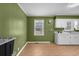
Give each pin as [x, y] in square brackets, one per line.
[22, 49]
[38, 41]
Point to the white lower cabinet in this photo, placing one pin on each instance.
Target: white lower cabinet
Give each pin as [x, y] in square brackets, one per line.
[74, 38]
[67, 38]
[63, 38]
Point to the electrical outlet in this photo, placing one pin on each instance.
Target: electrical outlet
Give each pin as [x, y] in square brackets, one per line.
[18, 49]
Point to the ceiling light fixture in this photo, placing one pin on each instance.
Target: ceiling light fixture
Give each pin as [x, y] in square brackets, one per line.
[73, 5]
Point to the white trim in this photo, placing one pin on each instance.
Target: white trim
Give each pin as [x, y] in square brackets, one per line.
[22, 8]
[22, 49]
[38, 41]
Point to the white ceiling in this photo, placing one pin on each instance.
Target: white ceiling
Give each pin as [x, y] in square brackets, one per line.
[49, 9]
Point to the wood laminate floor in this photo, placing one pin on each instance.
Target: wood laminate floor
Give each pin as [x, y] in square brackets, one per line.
[49, 49]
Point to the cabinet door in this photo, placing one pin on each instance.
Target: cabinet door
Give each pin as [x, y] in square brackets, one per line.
[76, 24]
[9, 48]
[2, 50]
[60, 23]
[74, 38]
[63, 38]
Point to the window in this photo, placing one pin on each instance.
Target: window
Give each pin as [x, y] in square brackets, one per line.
[38, 27]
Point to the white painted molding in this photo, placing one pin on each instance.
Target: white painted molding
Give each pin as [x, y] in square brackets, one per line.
[22, 49]
[39, 42]
[21, 8]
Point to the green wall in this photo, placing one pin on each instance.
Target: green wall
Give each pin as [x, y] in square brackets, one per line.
[49, 35]
[13, 22]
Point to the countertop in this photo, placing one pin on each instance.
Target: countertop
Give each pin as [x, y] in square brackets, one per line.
[3, 41]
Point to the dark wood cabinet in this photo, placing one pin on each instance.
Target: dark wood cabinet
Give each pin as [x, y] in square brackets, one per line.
[9, 48]
[2, 50]
[6, 49]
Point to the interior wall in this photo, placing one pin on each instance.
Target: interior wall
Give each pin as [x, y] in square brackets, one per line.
[13, 22]
[48, 29]
[49, 35]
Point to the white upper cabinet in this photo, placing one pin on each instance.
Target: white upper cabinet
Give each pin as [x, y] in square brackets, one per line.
[63, 23]
[67, 24]
[76, 24]
[60, 23]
